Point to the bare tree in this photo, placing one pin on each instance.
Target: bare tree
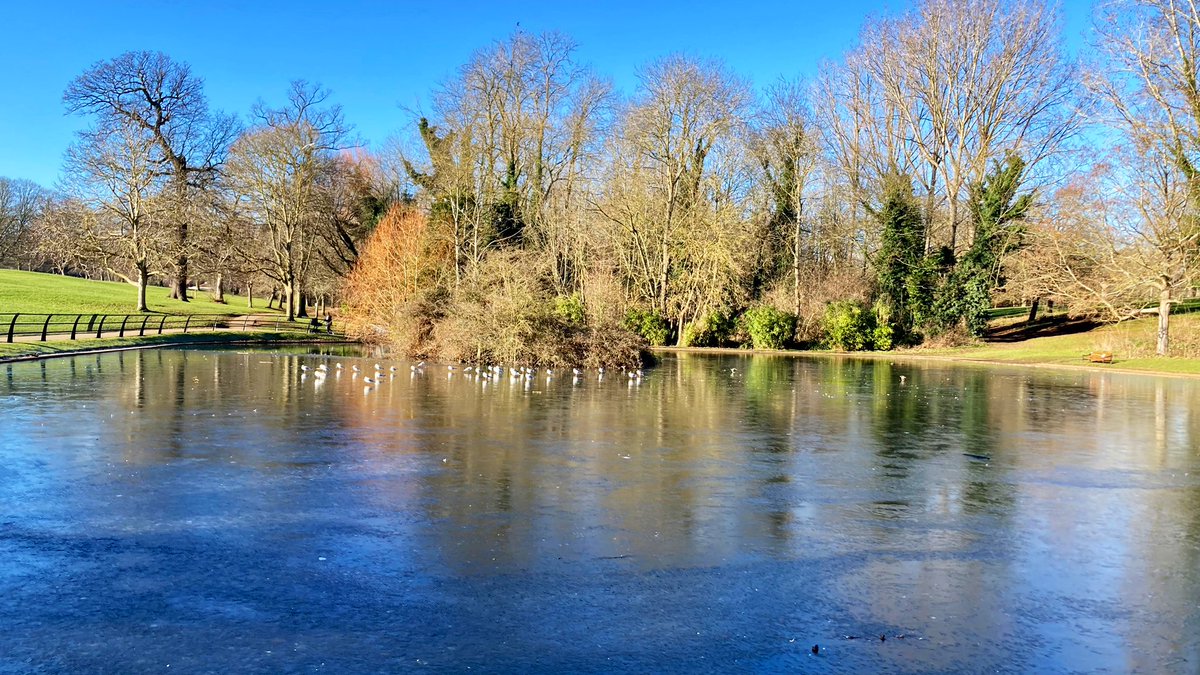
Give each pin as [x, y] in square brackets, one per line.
[1111, 240]
[506, 151]
[1147, 78]
[21, 203]
[56, 243]
[280, 175]
[114, 171]
[942, 92]
[662, 194]
[359, 195]
[785, 145]
[161, 97]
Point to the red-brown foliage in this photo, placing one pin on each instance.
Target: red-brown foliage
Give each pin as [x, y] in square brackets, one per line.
[398, 265]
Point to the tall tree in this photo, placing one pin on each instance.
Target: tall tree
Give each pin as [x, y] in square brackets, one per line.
[941, 92]
[507, 147]
[998, 215]
[901, 256]
[670, 210]
[785, 145]
[21, 202]
[280, 173]
[161, 97]
[1147, 77]
[115, 171]
[359, 197]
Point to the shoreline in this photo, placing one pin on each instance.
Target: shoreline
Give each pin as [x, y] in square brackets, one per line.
[268, 339]
[156, 342]
[910, 356]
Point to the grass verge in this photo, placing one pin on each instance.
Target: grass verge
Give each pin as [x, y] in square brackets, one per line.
[37, 293]
[26, 350]
[1131, 342]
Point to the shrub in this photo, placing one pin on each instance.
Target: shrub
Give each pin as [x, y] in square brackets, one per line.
[613, 346]
[569, 309]
[649, 324]
[819, 286]
[713, 330]
[768, 327]
[849, 326]
[881, 337]
[399, 264]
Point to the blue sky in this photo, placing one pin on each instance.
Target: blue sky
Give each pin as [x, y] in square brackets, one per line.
[379, 56]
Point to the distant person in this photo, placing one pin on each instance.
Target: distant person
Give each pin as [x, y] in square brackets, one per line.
[314, 326]
[329, 323]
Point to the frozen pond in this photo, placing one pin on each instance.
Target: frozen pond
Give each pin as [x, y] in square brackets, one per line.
[214, 511]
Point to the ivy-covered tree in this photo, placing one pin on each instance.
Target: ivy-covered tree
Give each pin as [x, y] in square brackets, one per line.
[997, 212]
[900, 261]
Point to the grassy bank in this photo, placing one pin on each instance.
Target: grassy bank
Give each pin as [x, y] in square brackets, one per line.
[1131, 342]
[36, 293]
[23, 350]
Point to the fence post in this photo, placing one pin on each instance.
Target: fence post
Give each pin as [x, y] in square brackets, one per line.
[186, 322]
[75, 326]
[142, 330]
[161, 324]
[91, 322]
[123, 322]
[100, 328]
[46, 326]
[11, 326]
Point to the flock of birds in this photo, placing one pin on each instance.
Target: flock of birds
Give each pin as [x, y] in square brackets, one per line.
[479, 373]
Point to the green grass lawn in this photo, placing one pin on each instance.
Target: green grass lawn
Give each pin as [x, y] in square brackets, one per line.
[36, 293]
[21, 349]
[1131, 342]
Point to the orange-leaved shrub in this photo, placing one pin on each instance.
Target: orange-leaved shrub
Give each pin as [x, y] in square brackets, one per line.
[403, 293]
[391, 294]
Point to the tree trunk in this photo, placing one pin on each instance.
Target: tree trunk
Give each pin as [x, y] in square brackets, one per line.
[796, 236]
[1164, 320]
[250, 295]
[143, 280]
[954, 226]
[219, 288]
[1033, 309]
[289, 299]
[302, 304]
[179, 288]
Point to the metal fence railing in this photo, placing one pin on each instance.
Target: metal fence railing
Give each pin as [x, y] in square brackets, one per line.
[43, 327]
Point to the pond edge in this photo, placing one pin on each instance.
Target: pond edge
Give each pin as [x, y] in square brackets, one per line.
[263, 340]
[903, 356]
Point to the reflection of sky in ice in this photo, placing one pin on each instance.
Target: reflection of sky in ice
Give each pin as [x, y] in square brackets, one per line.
[996, 517]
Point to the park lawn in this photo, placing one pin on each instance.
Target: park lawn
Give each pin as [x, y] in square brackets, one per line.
[37, 293]
[26, 349]
[1131, 342]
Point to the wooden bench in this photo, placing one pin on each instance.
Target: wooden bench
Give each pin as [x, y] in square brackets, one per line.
[1099, 357]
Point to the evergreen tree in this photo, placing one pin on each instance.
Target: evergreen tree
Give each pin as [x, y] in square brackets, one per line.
[997, 213]
[899, 263]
